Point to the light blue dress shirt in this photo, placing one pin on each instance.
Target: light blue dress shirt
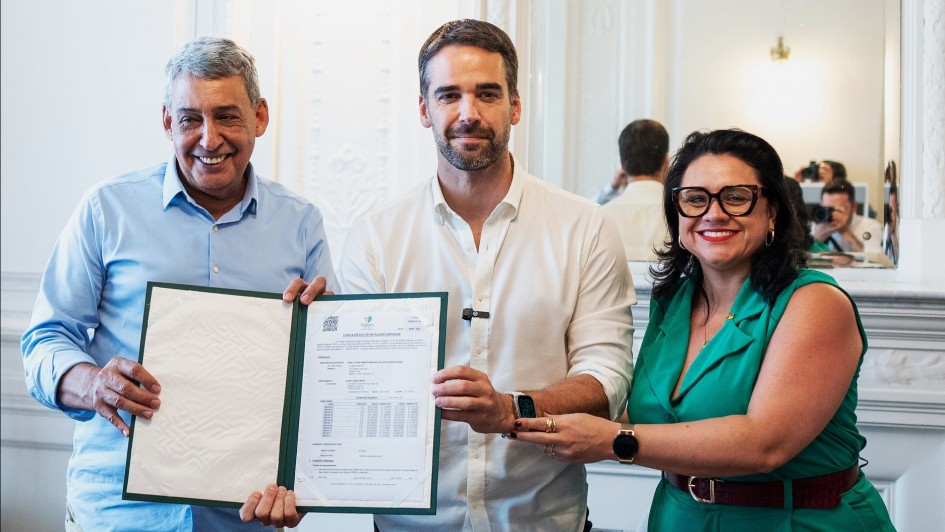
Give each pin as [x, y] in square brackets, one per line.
[129, 230]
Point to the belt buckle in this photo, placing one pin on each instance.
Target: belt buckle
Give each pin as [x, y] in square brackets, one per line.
[692, 492]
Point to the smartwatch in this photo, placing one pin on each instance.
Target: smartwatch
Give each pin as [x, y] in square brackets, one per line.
[625, 444]
[523, 404]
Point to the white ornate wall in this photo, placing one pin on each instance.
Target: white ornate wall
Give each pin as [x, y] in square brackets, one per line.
[341, 81]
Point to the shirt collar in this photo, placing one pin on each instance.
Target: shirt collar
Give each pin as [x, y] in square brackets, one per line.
[513, 198]
[174, 188]
[748, 304]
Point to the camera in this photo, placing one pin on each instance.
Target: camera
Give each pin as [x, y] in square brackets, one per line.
[811, 172]
[821, 214]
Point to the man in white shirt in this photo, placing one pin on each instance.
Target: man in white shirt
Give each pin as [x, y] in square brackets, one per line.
[542, 268]
[638, 211]
[844, 230]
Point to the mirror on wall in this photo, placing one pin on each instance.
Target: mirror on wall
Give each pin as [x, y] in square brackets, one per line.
[830, 93]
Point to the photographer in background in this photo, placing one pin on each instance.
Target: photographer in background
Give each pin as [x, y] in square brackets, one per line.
[794, 193]
[822, 172]
[836, 224]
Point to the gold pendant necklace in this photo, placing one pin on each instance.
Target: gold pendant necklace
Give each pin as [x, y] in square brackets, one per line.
[705, 327]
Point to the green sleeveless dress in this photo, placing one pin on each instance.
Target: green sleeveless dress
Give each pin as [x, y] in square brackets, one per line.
[720, 383]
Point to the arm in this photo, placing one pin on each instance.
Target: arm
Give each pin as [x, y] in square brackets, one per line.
[467, 395]
[850, 240]
[121, 385]
[612, 189]
[807, 370]
[60, 372]
[356, 270]
[598, 337]
[318, 260]
[855, 235]
[318, 267]
[822, 231]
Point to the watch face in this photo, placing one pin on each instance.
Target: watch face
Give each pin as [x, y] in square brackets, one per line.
[526, 406]
[626, 446]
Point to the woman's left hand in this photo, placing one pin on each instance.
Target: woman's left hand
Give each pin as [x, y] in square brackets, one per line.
[579, 438]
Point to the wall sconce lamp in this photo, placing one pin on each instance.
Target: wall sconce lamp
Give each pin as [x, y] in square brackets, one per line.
[780, 52]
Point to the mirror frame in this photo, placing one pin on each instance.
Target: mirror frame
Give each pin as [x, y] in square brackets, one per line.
[543, 145]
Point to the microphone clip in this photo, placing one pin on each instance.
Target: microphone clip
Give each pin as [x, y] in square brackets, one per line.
[469, 314]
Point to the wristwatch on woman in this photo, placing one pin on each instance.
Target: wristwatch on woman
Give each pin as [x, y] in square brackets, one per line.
[625, 444]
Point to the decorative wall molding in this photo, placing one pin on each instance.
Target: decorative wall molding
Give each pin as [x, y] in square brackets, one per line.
[18, 291]
[933, 71]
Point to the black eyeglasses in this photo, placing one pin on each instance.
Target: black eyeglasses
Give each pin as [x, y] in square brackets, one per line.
[734, 200]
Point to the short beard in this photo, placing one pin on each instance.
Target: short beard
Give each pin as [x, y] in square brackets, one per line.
[473, 161]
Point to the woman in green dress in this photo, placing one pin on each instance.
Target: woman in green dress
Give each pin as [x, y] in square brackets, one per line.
[744, 389]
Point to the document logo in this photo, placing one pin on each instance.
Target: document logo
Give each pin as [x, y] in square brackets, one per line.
[367, 325]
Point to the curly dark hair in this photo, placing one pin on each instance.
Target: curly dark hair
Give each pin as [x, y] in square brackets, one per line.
[773, 266]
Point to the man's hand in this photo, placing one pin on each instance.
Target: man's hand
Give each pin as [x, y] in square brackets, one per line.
[620, 180]
[822, 231]
[839, 220]
[308, 291]
[467, 395]
[275, 507]
[799, 174]
[110, 389]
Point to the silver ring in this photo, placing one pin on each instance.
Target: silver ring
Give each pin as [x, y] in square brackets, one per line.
[545, 449]
[552, 453]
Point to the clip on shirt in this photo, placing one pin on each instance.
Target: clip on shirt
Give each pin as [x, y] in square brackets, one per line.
[469, 314]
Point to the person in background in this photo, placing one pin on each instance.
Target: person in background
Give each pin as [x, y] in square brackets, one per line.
[613, 189]
[821, 172]
[825, 172]
[830, 170]
[202, 218]
[744, 391]
[644, 157]
[542, 268]
[891, 228]
[837, 225]
[796, 197]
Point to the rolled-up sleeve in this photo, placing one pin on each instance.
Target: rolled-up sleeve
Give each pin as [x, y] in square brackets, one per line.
[600, 336]
[65, 311]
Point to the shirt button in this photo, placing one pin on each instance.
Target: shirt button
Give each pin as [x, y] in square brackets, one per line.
[216, 269]
[478, 350]
[216, 228]
[476, 454]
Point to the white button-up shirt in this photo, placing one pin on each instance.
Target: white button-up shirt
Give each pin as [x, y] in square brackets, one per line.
[551, 272]
[638, 213]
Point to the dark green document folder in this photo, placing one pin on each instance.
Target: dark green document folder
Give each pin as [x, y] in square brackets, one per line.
[331, 400]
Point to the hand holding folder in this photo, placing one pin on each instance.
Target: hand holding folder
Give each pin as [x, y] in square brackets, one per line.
[331, 400]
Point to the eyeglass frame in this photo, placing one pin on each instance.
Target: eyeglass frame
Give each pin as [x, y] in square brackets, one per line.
[756, 190]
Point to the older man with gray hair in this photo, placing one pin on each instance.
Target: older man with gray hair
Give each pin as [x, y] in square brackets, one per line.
[203, 218]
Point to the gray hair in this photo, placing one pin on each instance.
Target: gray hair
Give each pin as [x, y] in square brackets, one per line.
[212, 58]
